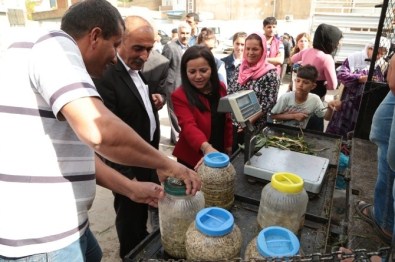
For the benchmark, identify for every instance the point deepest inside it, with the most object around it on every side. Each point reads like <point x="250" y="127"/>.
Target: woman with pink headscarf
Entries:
<point x="255" y="73"/>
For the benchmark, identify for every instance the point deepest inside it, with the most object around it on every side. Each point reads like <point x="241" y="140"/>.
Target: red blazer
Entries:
<point x="195" y="127"/>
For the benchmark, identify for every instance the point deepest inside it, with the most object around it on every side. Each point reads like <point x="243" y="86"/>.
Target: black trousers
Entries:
<point x="130" y="222"/>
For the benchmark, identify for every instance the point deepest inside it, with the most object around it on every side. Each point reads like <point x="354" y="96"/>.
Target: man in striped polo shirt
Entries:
<point x="52" y="123"/>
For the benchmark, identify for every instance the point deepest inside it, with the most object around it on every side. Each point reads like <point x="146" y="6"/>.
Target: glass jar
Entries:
<point x="283" y="203"/>
<point x="176" y="212"/>
<point x="218" y="180"/>
<point x="213" y="236"/>
<point x="272" y="242"/>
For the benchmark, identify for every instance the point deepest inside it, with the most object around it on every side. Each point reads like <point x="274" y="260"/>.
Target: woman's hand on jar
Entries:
<point x="205" y="148"/>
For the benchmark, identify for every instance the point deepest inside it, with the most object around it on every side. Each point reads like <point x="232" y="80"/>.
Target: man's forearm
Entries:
<point x="100" y="129"/>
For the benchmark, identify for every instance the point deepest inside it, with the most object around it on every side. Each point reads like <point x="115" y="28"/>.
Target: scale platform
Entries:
<point x="270" y="160"/>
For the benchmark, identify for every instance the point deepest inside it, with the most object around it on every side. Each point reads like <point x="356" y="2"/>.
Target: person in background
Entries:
<point x="287" y="51"/>
<point x="126" y="94"/>
<point x="174" y="34"/>
<point x="203" y="129"/>
<point x="193" y="20"/>
<point x="255" y="73"/>
<point x="274" y="47"/>
<point x="303" y="41"/>
<point x="380" y="215"/>
<point x="158" y="44"/>
<point x="174" y="51"/>
<point x="325" y="43"/>
<point x="233" y="60"/>
<point x="295" y="108"/>
<point x="155" y="71"/>
<point x="207" y="38"/>
<point x="291" y="41"/>
<point x="69" y="124"/>
<point x="353" y="74"/>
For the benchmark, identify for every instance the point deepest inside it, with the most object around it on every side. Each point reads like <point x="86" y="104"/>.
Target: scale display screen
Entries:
<point x="243" y="104"/>
<point x="243" y="101"/>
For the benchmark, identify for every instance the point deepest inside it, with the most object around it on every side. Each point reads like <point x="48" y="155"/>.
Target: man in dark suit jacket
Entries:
<point x="125" y="93"/>
<point x="155" y="71"/>
<point x="174" y="51"/>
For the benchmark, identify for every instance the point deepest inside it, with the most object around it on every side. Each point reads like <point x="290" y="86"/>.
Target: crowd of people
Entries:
<point x="96" y="120"/>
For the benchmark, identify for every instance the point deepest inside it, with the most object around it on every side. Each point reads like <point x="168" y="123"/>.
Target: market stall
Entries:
<point x="316" y="234"/>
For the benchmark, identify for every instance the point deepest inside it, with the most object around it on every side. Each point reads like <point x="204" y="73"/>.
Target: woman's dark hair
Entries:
<point x="256" y="37"/>
<point x="191" y="92"/>
<point x="205" y="34"/>
<point x="83" y="16"/>
<point x="327" y="38"/>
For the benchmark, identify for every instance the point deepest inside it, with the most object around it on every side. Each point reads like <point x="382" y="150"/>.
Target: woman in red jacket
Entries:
<point x="195" y="102"/>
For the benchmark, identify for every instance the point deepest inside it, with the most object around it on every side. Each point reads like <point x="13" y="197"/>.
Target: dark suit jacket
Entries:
<point x="121" y="96"/>
<point x="229" y="66"/>
<point x="173" y="51"/>
<point x="155" y="71"/>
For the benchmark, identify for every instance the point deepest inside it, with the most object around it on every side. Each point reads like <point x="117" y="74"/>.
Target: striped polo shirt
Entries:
<point x="47" y="176"/>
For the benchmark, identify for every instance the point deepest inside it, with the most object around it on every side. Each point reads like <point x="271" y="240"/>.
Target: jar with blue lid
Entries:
<point x="273" y="242"/>
<point x="283" y="203"/>
<point x="213" y="236"/>
<point x="218" y="180"/>
<point x="177" y="211"/>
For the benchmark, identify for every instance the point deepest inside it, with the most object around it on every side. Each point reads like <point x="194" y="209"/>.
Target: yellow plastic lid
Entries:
<point x="287" y="182"/>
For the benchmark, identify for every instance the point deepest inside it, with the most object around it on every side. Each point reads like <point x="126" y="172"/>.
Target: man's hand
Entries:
<point x="158" y="101"/>
<point x="146" y="193"/>
<point x="179" y="171"/>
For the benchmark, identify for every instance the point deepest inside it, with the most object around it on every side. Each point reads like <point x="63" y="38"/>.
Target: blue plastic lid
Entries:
<point x="216" y="159"/>
<point x="277" y="242"/>
<point x="214" y="221"/>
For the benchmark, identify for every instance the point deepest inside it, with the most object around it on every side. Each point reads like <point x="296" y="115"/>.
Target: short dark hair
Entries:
<point x="174" y="30"/>
<point x="191" y="92"/>
<point x="194" y="15"/>
<point x="83" y="16"/>
<point x="269" y="21"/>
<point x="308" y="72"/>
<point x="237" y="35"/>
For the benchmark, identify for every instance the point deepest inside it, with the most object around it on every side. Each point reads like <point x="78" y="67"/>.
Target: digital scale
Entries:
<point x="269" y="160"/>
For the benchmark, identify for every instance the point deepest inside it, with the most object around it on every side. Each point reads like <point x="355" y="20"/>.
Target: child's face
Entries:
<point x="304" y="86"/>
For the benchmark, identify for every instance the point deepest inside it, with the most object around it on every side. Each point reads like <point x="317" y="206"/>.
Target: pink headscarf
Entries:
<point x="247" y="71"/>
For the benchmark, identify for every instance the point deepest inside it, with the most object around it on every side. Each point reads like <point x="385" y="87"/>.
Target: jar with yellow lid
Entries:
<point x="283" y="203"/>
